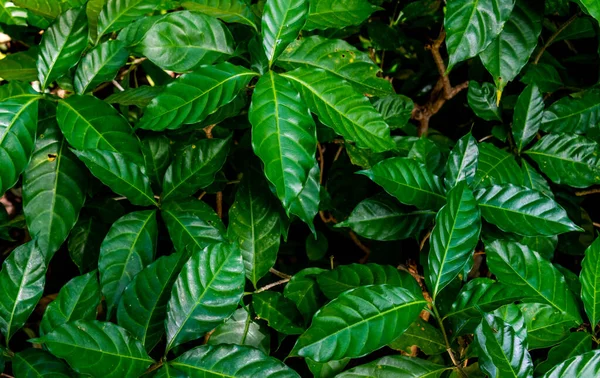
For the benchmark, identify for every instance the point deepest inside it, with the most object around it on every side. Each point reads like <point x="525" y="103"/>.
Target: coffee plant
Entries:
<point x="297" y="188"/>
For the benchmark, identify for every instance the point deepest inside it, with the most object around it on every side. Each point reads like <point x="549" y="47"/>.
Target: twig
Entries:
<point x="321" y="162"/>
<point x="271" y="285"/>
<point x="360" y="245"/>
<point x="553" y="37"/>
<point x="446" y="340"/>
<point x="280" y="274"/>
<point x="596" y="224"/>
<point x="587" y="192"/>
<point x="220" y="204"/>
<point x="116" y="84"/>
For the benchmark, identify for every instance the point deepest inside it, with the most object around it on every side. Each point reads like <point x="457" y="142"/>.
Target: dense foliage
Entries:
<point x="285" y="188"/>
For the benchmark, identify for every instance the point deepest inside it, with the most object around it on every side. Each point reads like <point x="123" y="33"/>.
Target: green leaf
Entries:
<point x="472" y="25"/>
<point x="463" y="161"/>
<point x="140" y="96"/>
<point x="62" y="45"/>
<point x="502" y="351"/>
<point x="454" y="237"/>
<point x="343" y="60"/>
<point x="240" y="329"/>
<point x="583" y="365"/>
<point x="534" y="180"/>
<point x="99" y="65"/>
<point x="157" y="153"/>
<point x="527" y="116"/>
<point x="254" y="224"/>
<point x="206" y="292"/>
<point x="325" y="14"/>
<point x="306" y="205"/>
<point x="410" y="182"/>
<point x="133" y="34"/>
<point x="192" y="223"/>
<point x="54" y="190"/>
<point x="359" y="330"/>
<point x="283" y="135"/>
<point x="396" y="110"/>
<point x="47" y="8"/>
<point x="18" y="124"/>
<point x="230" y="361"/>
<point x="21" y="284"/>
<point x="194" y="167"/>
<point x="396" y="366"/>
<point x="19" y="66"/>
<point x="523" y="211"/>
<point x="181" y="41"/>
<point x="97" y="348"/>
<point x="90" y="123"/>
<point x="577" y="343"/>
<point x="227" y="10"/>
<point x="482" y="294"/>
<point x="484" y="102"/>
<point x="143" y="306"/>
<point x="281" y="23"/>
<point x="194" y="96"/>
<point x="509" y="52"/>
<point x="573" y="115"/>
<point x="304" y="291"/>
<point x="512" y="316"/>
<point x="117" y="14"/>
<point x="590" y="282"/>
<point x="39" y="363"/>
<point x="280" y="312"/>
<point x="339" y="106"/>
<point x="516" y="265"/>
<point x="326" y="369"/>
<point x="93" y="9"/>
<point x="496" y="166"/>
<point x="545" y="76"/>
<point x="423" y="335"/>
<point x="568" y="159"/>
<point x="12" y="15"/>
<point x="118" y="173"/>
<point x="591" y="7"/>
<point x="128" y="247"/>
<point x="382" y="218"/>
<point x="546" y="326"/>
<point x="347" y="277"/>
<point x="84" y="242"/>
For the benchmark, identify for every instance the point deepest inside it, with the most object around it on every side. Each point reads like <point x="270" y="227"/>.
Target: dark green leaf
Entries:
<point x="325" y="14"/>
<point x="227" y="10"/>
<point x="84" y="242"/>
<point x="482" y="294"/>
<point x="156" y="150"/>
<point x="282" y="21"/>
<point x="577" y="343"/>
<point x="240" y="329"/>
<point x="527" y="116"/>
<point x="583" y="365"/>
<point x="326" y="369"/>
<point x="99" y="65"/>
<point x="496" y="166"/>
<point x="396" y="110"/>
<point x="140" y="96"/>
<point x="117" y="14"/>
<point x="38" y="363"/>
<point x="573" y="115"/>
<point x="304" y="291"/>
<point x="545" y="76"/>
<point x="534" y="180"/>
<point x="483" y="99"/>
<point x="396" y="366"/>
<point x="306" y="205"/>
<point x="93" y="9"/>
<point x="546" y="326"/>
<point x="280" y="312"/>
<point x="463" y="161"/>
<point x="423" y="335"/>
<point x="19" y="66"/>
<point x="590" y="282"/>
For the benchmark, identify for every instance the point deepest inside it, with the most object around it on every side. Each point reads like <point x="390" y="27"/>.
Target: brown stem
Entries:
<point x="587" y="192"/>
<point x="220" y="204"/>
<point x="279" y="274"/>
<point x="321" y="162"/>
<point x="553" y="37"/>
<point x="271" y="285"/>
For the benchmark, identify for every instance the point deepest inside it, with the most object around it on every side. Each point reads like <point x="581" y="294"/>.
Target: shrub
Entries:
<point x="290" y="188"/>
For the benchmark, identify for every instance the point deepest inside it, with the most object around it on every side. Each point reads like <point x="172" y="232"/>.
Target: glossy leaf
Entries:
<point x="422" y="335"/>
<point x="97" y="348"/>
<point x="590" y="282"/>
<point x="454" y="237"/>
<point x="410" y="182"/>
<point x="194" y="96"/>
<point x="283" y="135"/>
<point x="396" y="110"/>
<point x="463" y="161"/>
<point x="19" y="66"/>
<point x="240" y="329"/>
<point x="33" y="362"/>
<point x="21" y="284"/>
<point x="157" y="153"/>
<point x="140" y="96"/>
<point x="527" y="116"/>
<point x="46" y="8"/>
<point x="128" y="247"/>
<point x="62" y="45"/>
<point x="472" y="25"/>
<point x="18" y="123"/>
<point x="304" y="291"/>
<point x="206" y="292"/>
<point x="339" y="58"/>
<point x="359" y="330"/>
<point x="484" y="102"/>
<point x="496" y="166"/>
<point x="118" y="173"/>
<point x="306" y="205"/>
<point x="54" y="187"/>
<point x="592" y="8"/>
<point x="78" y="299"/>
<point x="84" y="242"/>
<point x="523" y="211"/>
<point x="101" y="64"/>
<point x="326" y="369"/>
<point x="325" y="14"/>
<point x="396" y="366"/>
<point x="282" y="21"/>
<point x="534" y="180"/>
<point x="577" y="343"/>
<point x="280" y="312"/>
<point x="583" y="365"/>
<point x="572" y="115"/>
<point x="482" y="294"/>
<point x="342" y="108"/>
<point x="568" y="159"/>
<point x="227" y="10"/>
<point x="117" y="14"/>
<point x="12" y="15"/>
<point x="181" y="41"/>
<point x="546" y="326"/>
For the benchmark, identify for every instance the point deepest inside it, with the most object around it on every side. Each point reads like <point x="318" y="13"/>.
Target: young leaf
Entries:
<point x="396" y="366"/>
<point x="282" y="20"/>
<point x="206" y="292"/>
<point x="325" y="14"/>
<point x="99" y="65"/>
<point x="454" y="237"/>
<point x="573" y="115"/>
<point x="62" y="45"/>
<point x="568" y="159"/>
<point x="502" y="351"/>
<point x="577" y="343"/>
<point x="34" y="362"/>
<point x="590" y="282"/>
<point x="230" y="361"/>
<point x="18" y="124"/>
<point x="342" y="108"/>
<point x="339" y="58"/>
<point x="472" y="25"/>
<point x="463" y="161"/>
<point x="181" y="41"/>
<point x="194" y="167"/>
<point x="143" y="306"/>
<point x="410" y="182"/>
<point x="128" y="247"/>
<point x="496" y="166"/>
<point x="54" y="189"/>
<point x="97" y="348"/>
<point x="281" y="313"/>
<point x="527" y="116"/>
<point x="283" y="135"/>
<point x="117" y="14"/>
<point x="523" y="211"/>
<point x="227" y="10"/>
<point x="194" y="96"/>
<point x="354" y="332"/>
<point x="254" y="224"/>
<point x="21" y="286"/>
<point x="78" y="299"/>
<point x="240" y="329"/>
<point x="118" y="173"/>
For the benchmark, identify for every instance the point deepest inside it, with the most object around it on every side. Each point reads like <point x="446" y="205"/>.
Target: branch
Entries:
<point x="553" y="37"/>
<point x="587" y="192"/>
<point x="279" y="274"/>
<point x="271" y="285"/>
